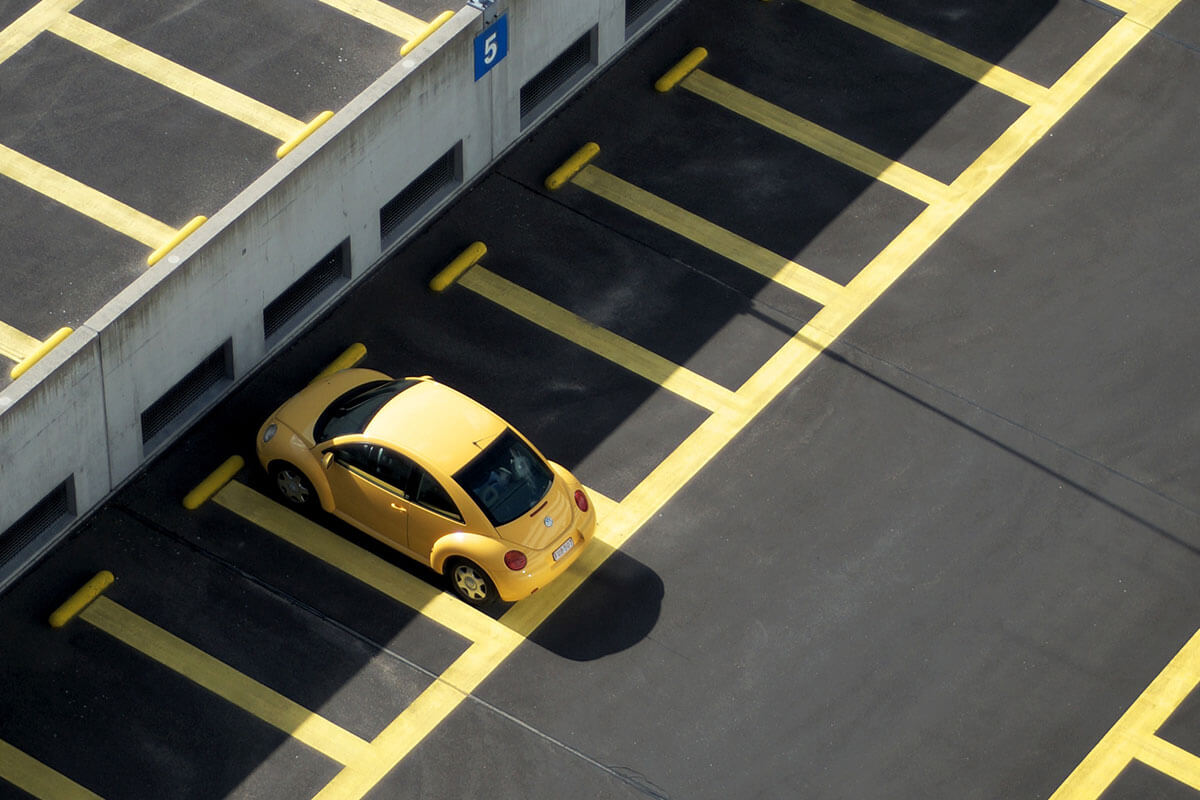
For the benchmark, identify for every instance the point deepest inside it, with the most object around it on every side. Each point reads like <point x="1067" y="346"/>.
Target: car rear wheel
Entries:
<point x="471" y="583"/>
<point x="292" y="486"/>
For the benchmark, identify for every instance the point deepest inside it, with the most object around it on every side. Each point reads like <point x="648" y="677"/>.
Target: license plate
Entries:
<point x="563" y="549"/>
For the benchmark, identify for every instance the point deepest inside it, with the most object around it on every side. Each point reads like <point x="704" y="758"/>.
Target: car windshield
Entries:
<point x="351" y="412"/>
<point x="507" y="479"/>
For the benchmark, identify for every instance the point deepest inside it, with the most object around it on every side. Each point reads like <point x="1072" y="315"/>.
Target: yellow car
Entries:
<point x="435" y="475"/>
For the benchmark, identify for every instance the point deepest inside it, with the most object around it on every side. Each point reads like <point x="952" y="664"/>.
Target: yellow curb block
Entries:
<point x="307" y="131"/>
<point x="213" y="483"/>
<point x="173" y="242"/>
<point x="80" y="600"/>
<point x="572" y="165"/>
<point x="40" y="352"/>
<point x="680" y="71"/>
<point x="349" y="357"/>
<point x="438" y="22"/>
<point x="454" y="270"/>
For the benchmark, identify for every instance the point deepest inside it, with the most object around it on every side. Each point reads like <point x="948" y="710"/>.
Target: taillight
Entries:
<point x="514" y="560"/>
<point x="581" y="500"/>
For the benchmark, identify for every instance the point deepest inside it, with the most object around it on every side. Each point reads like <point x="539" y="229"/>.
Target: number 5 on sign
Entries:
<point x="491" y="46"/>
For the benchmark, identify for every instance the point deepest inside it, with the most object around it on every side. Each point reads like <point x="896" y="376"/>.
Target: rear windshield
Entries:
<point x="351" y="412"/>
<point x="507" y="479"/>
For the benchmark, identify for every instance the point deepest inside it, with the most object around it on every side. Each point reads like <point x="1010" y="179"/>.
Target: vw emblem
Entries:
<point x="548" y="522"/>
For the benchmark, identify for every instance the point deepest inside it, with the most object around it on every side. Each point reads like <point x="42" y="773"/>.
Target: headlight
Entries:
<point x="269" y="433"/>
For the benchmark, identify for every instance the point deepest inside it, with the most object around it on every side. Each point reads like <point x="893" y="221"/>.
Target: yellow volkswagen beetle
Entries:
<point x="435" y="475"/>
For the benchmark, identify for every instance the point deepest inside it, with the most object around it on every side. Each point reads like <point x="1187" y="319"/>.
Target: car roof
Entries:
<point x="436" y="423"/>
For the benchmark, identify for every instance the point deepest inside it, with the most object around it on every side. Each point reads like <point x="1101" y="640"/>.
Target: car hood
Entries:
<point x="530" y="529"/>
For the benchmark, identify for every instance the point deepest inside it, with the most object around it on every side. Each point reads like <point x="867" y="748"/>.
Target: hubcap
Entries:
<point x="470" y="583"/>
<point x="292" y="486"/>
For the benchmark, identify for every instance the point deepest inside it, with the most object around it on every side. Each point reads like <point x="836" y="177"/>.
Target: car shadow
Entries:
<point x="614" y="609"/>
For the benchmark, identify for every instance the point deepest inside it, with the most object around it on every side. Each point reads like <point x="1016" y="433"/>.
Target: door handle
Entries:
<point x="399" y="508"/>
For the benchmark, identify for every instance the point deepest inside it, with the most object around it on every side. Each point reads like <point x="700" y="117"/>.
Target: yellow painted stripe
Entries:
<point x="1131" y="736"/>
<point x="1170" y="759"/>
<point x="648" y="498"/>
<point x="823" y="140"/>
<point x="25" y="28"/>
<point x="84" y="199"/>
<point x="782" y="270"/>
<point x="465" y="674"/>
<point x="358" y="563"/>
<point x="35" y="778"/>
<point x="935" y="50"/>
<point x="176" y="77"/>
<point x="602" y="342"/>
<point x="381" y="15"/>
<point x="224" y="681"/>
<point x="16" y="345"/>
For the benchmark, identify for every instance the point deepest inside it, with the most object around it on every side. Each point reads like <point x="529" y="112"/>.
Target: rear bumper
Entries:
<point x="541" y="568"/>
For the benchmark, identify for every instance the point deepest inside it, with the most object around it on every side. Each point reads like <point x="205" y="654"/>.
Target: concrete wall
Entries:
<point x="75" y="417"/>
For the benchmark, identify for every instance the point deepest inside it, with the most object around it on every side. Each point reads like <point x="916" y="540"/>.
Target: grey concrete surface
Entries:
<point x="941" y="564"/>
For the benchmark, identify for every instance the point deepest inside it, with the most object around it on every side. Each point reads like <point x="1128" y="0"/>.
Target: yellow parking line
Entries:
<point x="649" y="497"/>
<point x="84" y="199"/>
<point x="823" y="140"/>
<point x="602" y="342"/>
<point x="779" y="269"/>
<point x="382" y="16"/>
<point x="935" y="50"/>
<point x="35" y="778"/>
<point x="223" y="680"/>
<point x="358" y="563"/>
<point x="25" y="28"/>
<point x="1171" y="760"/>
<point x="16" y="345"/>
<point x="1133" y="734"/>
<point x="470" y="669"/>
<point x="176" y="77"/>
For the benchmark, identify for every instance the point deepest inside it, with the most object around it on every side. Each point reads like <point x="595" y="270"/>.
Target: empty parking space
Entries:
<point x="838" y="574"/>
<point x="130" y="128"/>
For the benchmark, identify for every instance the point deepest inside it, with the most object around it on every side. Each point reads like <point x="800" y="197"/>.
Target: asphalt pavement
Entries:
<point x="941" y="554"/>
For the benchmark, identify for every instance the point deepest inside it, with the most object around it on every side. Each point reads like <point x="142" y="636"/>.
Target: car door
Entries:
<point x="367" y="482"/>
<point x="432" y="514"/>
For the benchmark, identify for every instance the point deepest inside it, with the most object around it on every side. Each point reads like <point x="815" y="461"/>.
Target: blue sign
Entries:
<point x="491" y="46"/>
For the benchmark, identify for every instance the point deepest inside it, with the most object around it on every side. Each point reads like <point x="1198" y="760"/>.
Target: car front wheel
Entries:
<point x="293" y="486"/>
<point x="471" y="583"/>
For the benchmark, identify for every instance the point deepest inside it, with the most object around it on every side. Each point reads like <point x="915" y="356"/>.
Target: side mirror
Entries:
<point x="327" y="459"/>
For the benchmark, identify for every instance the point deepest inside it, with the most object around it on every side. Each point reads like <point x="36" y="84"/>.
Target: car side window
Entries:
<point x="431" y="495"/>
<point x="393" y="469"/>
<point x="356" y="455"/>
<point x="383" y="465"/>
